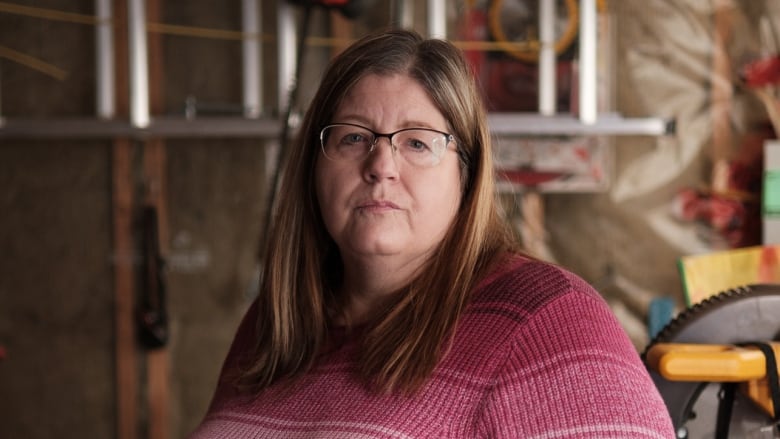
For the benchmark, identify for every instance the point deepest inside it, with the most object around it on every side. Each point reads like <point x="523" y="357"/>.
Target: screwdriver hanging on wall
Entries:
<point x="152" y="308"/>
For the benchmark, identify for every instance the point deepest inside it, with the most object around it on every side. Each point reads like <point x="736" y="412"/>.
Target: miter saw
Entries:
<point x="715" y="365"/>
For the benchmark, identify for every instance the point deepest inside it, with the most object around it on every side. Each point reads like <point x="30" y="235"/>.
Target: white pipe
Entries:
<point x="105" y="93"/>
<point x="512" y="124"/>
<point x="587" y="62"/>
<point x="437" y="18"/>
<point x="407" y="18"/>
<point x="403" y="16"/>
<point x="2" y="120"/>
<point x="251" y="58"/>
<point x="139" y="71"/>
<point x="547" y="71"/>
<point x="286" y="47"/>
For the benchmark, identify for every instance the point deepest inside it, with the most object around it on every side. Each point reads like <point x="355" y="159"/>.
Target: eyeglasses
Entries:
<point x="422" y="147"/>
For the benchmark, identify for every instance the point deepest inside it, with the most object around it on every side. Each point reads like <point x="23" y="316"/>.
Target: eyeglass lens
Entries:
<point x="418" y="146"/>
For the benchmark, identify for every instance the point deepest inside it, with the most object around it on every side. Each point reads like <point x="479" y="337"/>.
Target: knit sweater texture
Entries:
<point x="536" y="354"/>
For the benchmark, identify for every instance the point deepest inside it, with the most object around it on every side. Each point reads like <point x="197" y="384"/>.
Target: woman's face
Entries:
<point x="383" y="205"/>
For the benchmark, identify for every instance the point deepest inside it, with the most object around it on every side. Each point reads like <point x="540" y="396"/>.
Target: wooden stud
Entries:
<point x="157" y="360"/>
<point x="124" y="273"/>
<point x="126" y="353"/>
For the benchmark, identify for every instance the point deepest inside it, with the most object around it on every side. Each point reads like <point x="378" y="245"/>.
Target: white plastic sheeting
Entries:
<point x="678" y="59"/>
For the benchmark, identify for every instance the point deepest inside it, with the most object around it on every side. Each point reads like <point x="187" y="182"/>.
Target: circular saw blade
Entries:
<point x="750" y="313"/>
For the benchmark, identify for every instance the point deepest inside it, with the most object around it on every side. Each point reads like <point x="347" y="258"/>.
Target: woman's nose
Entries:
<point x="381" y="162"/>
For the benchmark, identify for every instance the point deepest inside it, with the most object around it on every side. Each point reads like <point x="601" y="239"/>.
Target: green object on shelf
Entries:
<point x="771" y="201"/>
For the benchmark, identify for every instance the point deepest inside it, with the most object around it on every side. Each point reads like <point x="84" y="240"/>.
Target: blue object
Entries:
<point x="659" y="314"/>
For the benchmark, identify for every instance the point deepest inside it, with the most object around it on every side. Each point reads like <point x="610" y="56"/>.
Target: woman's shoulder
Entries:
<point x="534" y="325"/>
<point x="521" y="300"/>
<point x="511" y="297"/>
<point x="537" y="310"/>
<point x="520" y="281"/>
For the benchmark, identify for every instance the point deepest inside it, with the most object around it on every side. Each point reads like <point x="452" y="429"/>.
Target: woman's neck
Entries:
<point x="367" y="284"/>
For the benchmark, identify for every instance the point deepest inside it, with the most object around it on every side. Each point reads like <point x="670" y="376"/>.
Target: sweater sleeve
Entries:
<point x="572" y="372"/>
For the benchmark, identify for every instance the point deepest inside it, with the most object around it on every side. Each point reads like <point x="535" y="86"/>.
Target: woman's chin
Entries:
<point x="372" y="249"/>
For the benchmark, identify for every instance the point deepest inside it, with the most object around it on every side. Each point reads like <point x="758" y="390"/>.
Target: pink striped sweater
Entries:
<point x="537" y="354"/>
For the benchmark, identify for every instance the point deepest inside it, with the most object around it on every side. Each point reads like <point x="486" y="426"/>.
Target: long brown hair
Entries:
<point x="302" y="267"/>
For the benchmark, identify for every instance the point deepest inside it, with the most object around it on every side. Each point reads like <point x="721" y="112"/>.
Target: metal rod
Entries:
<point x="407" y="14"/>
<point x="251" y="59"/>
<point x="286" y="47"/>
<point x="400" y="14"/>
<point x="138" y="59"/>
<point x="437" y="18"/>
<point x="547" y="71"/>
<point x="168" y="127"/>
<point x="105" y="93"/>
<point x="587" y="62"/>
<point x="501" y="124"/>
<point x="2" y="120"/>
<point x="292" y="100"/>
<point x="529" y="124"/>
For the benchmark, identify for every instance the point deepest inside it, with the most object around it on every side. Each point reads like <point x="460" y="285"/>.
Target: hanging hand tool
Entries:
<point x="152" y="311"/>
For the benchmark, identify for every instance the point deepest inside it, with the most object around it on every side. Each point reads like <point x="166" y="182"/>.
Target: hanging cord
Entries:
<point x="728" y="391"/>
<point x="281" y="157"/>
<point x="726" y="396"/>
<point x="773" y="380"/>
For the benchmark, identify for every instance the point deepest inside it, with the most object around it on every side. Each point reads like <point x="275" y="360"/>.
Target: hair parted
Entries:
<point x="302" y="267"/>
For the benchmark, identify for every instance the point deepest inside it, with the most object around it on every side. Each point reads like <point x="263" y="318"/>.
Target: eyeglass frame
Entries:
<point x="449" y="138"/>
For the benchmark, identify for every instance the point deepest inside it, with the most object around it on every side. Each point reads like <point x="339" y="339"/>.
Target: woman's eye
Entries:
<point x="354" y="138"/>
<point x="416" y="145"/>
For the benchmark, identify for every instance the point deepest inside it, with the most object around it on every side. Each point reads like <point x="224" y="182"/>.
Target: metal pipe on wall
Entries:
<point x="401" y="14"/>
<point x="2" y="120"/>
<point x="437" y="18"/>
<point x="286" y="47"/>
<point x="587" y="62"/>
<point x="251" y="48"/>
<point x="547" y="71"/>
<point x="105" y="93"/>
<point x="138" y="59"/>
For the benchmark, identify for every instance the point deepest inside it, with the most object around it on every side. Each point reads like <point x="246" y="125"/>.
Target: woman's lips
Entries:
<point x="377" y="206"/>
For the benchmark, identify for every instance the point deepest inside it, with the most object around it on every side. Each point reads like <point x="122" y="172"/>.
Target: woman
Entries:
<point x="394" y="302"/>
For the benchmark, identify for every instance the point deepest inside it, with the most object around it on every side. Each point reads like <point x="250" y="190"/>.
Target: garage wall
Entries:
<point x="57" y="261"/>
